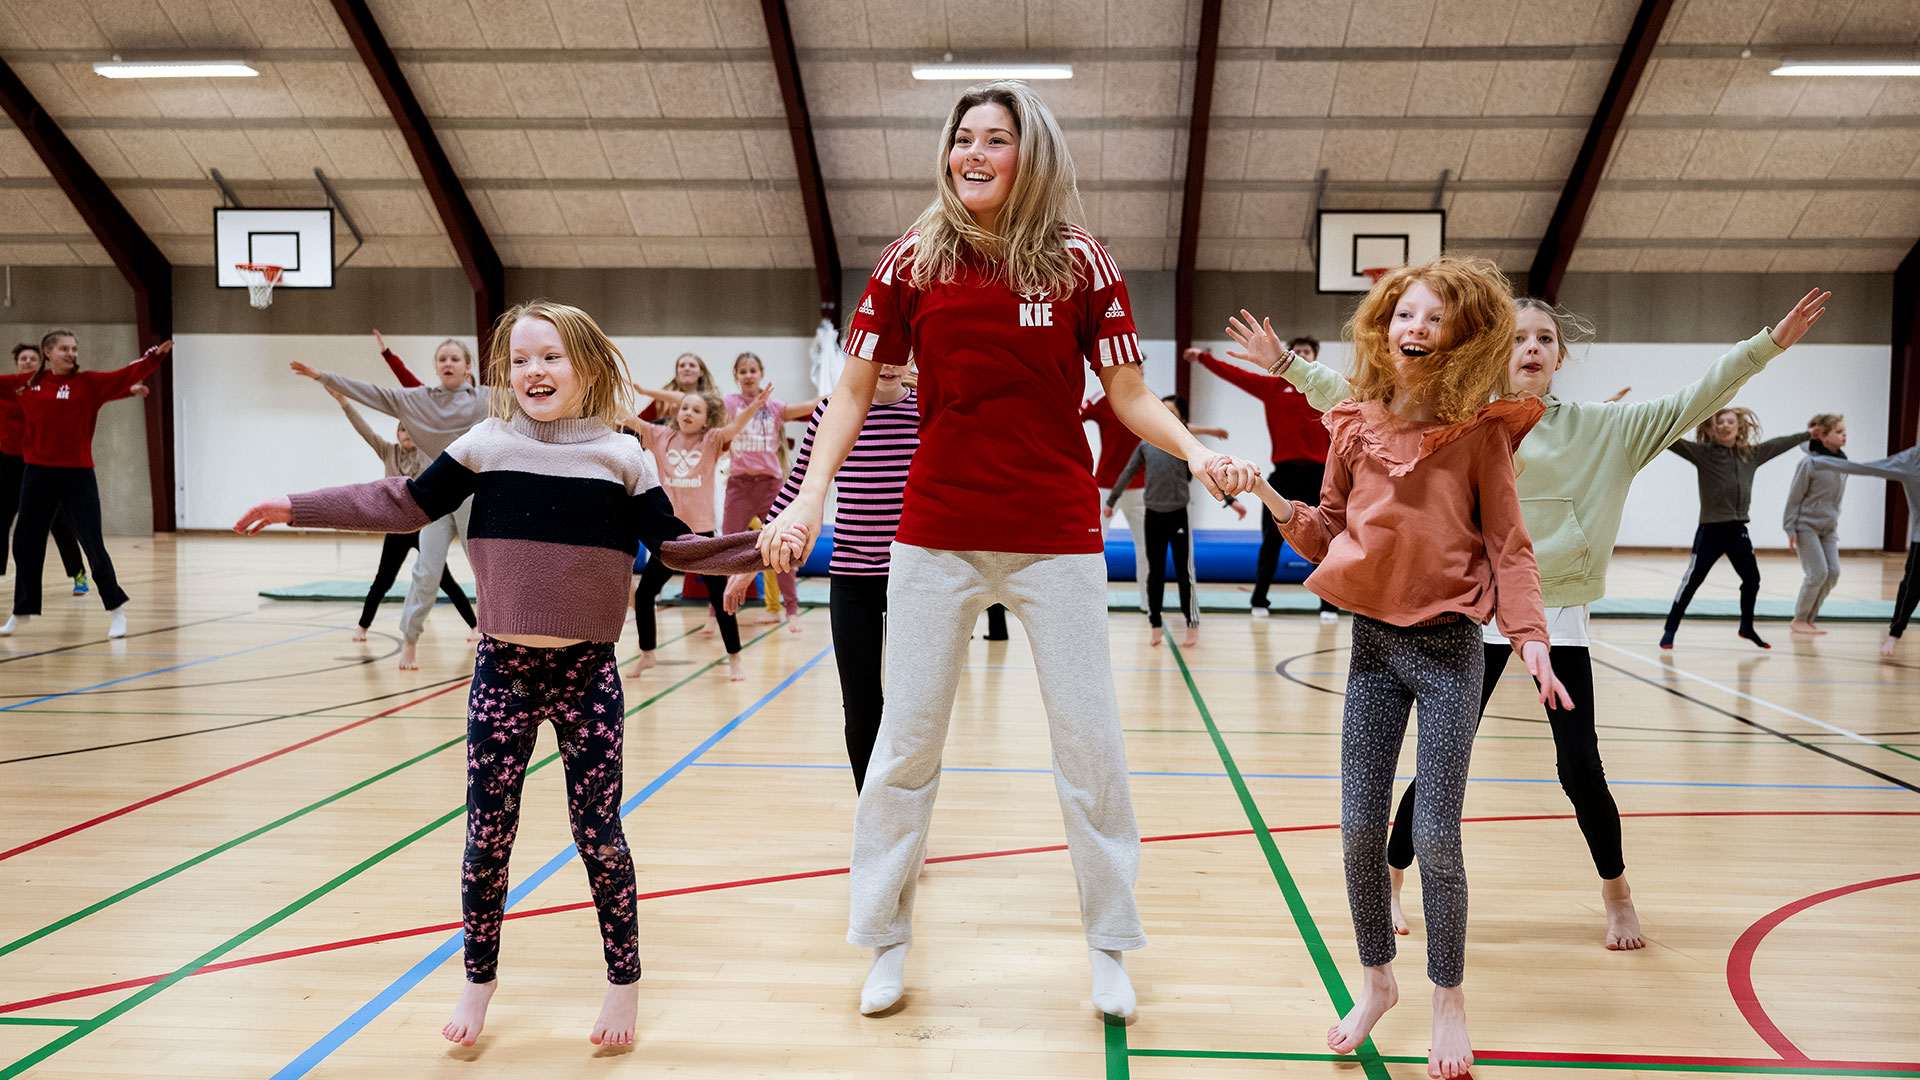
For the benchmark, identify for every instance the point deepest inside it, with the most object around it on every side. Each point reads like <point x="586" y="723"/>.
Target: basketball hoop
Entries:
<point x="260" y="279"/>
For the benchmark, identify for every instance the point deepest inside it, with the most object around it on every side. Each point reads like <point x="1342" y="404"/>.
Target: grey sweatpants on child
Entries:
<point x="1393" y="667"/>
<point x="933" y="599"/>
<point x="424" y="590"/>
<point x="1820" y="560"/>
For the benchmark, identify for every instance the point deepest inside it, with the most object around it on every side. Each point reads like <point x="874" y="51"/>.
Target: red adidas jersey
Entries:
<point x="61" y="409"/>
<point x="1003" y="463"/>
<point x="1117" y="441"/>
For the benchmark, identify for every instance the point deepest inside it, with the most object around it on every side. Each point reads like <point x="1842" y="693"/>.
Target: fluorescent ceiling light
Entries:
<point x="992" y="71"/>
<point x="1857" y="67"/>
<point x="174" y="69"/>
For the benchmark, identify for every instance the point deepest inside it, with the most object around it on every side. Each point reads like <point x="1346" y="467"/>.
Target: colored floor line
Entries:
<point x="1336" y="987"/>
<point x="150" y="800"/>
<point x="119" y="1009"/>
<point x="1740" y="961"/>
<point x="381" y="1002"/>
<point x="1744" y="696"/>
<point x="39" y="1021"/>
<point x="1678" y="1063"/>
<point x="803" y="875"/>
<point x="164" y="670"/>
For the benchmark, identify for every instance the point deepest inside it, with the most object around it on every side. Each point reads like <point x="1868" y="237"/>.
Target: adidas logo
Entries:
<point x="1116" y="311"/>
<point x="866" y="305"/>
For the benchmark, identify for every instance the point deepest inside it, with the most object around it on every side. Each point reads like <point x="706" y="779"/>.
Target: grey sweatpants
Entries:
<point x="1820" y="560"/>
<point x="933" y="599"/>
<point x="1133" y="507"/>
<point x="1393" y="667"/>
<point x="424" y="589"/>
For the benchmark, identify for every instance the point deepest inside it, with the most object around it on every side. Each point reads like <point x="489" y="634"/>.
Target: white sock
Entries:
<point x="1112" y="990"/>
<point x="117" y="628"/>
<point x="16" y="622"/>
<point x="886" y="981"/>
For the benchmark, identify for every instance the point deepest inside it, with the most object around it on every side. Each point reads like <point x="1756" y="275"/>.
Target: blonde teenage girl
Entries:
<point x="1001" y="300"/>
<point x="1419" y="534"/>
<point x="561" y="503"/>
<point x="690" y="376"/>
<point x="1812" y="518"/>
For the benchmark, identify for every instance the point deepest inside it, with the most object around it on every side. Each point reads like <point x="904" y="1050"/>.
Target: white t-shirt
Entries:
<point x="1565" y="626"/>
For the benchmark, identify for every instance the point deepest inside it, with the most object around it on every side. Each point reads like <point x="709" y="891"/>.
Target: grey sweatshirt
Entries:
<point x="1903" y="467"/>
<point x="434" y="415"/>
<point x="1813" y="499"/>
<point x="399" y="461"/>
<point x="1726" y="477"/>
<point x="1168" y="480"/>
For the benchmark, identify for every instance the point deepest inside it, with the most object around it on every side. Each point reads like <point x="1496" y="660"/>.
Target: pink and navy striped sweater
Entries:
<point x="560" y="509"/>
<point x="867" y="512"/>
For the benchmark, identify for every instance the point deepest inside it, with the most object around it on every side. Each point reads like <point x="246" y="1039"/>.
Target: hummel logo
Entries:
<point x="1116" y="311"/>
<point x="866" y="305"/>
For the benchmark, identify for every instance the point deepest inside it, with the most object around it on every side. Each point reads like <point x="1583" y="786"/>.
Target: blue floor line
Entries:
<point x="386" y="999"/>
<point x="164" y="670"/>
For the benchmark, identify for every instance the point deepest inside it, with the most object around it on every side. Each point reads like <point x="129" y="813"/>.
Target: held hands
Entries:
<point x="275" y="511"/>
<point x="788" y="539"/>
<point x="1224" y="475"/>
<point x="299" y="368"/>
<point x="1801" y="319"/>
<point x="1262" y="344"/>
<point x="1552" y="693"/>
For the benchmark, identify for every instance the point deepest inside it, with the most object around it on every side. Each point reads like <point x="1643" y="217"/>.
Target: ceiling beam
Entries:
<point x="806" y="157"/>
<point x="469" y="238"/>
<point x="134" y="254"/>
<point x="1570" y="215"/>
<point x="1198" y="127"/>
<point x="1903" y="389"/>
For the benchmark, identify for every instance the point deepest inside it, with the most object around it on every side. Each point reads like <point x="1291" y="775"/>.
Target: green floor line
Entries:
<point x="1116" y="1042"/>
<point x="87" y="1027"/>
<point x="40" y="1021"/>
<point x="1785" y="1068"/>
<point x="1336" y="987"/>
<point x="1758" y="740"/>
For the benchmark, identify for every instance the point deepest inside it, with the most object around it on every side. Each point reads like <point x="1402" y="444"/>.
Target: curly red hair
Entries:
<point x="1471" y="366"/>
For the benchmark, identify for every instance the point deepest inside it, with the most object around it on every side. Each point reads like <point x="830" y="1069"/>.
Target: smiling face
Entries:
<point x="451" y="365"/>
<point x="984" y="162"/>
<point x="1418" y="328"/>
<point x="1536" y="352"/>
<point x="1726" y="427"/>
<point x="26" y="361"/>
<point x="686" y="371"/>
<point x="543" y="380"/>
<point x="691" y="418"/>
<point x="63" y="356"/>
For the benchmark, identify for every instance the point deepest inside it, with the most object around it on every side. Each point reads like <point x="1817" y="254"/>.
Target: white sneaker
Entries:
<point x="14" y="622"/>
<point x="1329" y="616"/>
<point x="117" y="628"/>
<point x="1261" y="613"/>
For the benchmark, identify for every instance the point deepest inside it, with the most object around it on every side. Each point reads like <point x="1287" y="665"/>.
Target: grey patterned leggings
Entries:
<point x="1392" y="667"/>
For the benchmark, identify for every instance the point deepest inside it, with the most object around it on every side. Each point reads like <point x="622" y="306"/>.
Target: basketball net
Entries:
<point x="260" y="279"/>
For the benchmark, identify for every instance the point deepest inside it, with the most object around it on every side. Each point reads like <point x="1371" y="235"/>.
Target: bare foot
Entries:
<point x="1193" y="635"/>
<point x="1159" y="635"/>
<point x="642" y="665"/>
<point x="1800" y="627"/>
<point x="711" y="623"/>
<point x="1886" y="647"/>
<point x="767" y="618"/>
<point x="1378" y="993"/>
<point x="1452" y="1052"/>
<point x="471" y="1014"/>
<point x="793" y="624"/>
<point x="1398" y="877"/>
<point x="409" y="656"/>
<point x="734" y="673"/>
<point x="617" y="1016"/>
<point x="1623" y="923"/>
<point x="359" y="633"/>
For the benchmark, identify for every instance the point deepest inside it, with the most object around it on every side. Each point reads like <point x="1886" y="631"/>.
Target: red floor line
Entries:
<point x="1690" y="1059"/>
<point x="1740" y="962"/>
<point x="183" y="788"/>
<point x="441" y="928"/>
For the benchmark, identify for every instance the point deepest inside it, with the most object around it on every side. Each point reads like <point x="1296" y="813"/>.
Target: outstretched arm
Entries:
<point x="664" y="397"/>
<point x="1323" y="386"/>
<point x="799" y="410"/>
<point x="394" y="363"/>
<point x="739" y="422"/>
<point x="1145" y="416"/>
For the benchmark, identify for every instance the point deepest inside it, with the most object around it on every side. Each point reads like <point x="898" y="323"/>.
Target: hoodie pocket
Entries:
<point x="1559" y="543"/>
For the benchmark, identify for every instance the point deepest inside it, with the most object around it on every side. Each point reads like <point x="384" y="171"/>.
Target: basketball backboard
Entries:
<point x="300" y="241"/>
<point x="1355" y="241"/>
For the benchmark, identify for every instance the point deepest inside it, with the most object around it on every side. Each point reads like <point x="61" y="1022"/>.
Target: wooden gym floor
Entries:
<point x="229" y="847"/>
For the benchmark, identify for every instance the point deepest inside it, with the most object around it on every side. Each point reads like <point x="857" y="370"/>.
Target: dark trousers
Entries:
<point x="857" y="606"/>
<point x="12" y="470"/>
<point x="654" y="578"/>
<point x="1167" y="529"/>
<point x="394" y="552"/>
<point x="1908" y="596"/>
<point x="997" y="623"/>
<point x="1296" y="479"/>
<point x="1576" y="748"/>
<point x="1710" y="541"/>
<point x="43" y="491"/>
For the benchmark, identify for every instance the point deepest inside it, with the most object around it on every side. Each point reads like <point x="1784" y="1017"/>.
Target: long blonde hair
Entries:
<point x="1472" y="368"/>
<point x="1742" y="443"/>
<point x="596" y="362"/>
<point x="1045" y="198"/>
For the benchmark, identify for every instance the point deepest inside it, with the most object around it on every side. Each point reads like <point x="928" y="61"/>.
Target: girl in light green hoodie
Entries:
<point x="1575" y="469"/>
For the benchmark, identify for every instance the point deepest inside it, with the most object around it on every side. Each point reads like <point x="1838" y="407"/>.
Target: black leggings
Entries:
<point x="1167" y="529"/>
<point x="1296" y="479"/>
<point x="1576" y="748"/>
<point x="12" y="469"/>
<point x="653" y="578"/>
<point x="394" y="552"/>
<point x="1909" y="594"/>
<point x="857" y="606"/>
<point x="43" y="491"/>
<point x="1710" y="541"/>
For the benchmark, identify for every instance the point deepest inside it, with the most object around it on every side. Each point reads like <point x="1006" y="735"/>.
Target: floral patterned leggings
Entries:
<point x="514" y="689"/>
